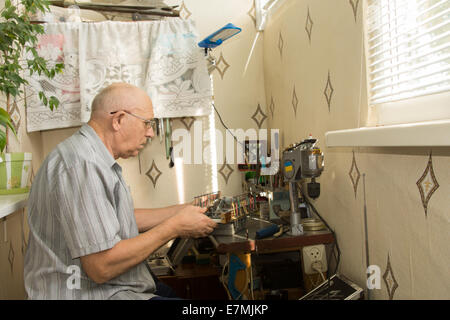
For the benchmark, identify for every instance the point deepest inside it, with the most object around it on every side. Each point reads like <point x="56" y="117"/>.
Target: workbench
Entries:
<point x="245" y="245"/>
<point x="191" y="281"/>
<point x="241" y="242"/>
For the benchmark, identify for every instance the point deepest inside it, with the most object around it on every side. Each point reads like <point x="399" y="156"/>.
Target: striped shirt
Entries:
<point x="79" y="204"/>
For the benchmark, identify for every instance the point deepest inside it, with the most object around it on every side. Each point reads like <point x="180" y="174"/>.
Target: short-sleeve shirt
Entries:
<point x="79" y="204"/>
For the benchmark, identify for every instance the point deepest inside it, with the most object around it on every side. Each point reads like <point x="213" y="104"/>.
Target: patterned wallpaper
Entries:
<point x="315" y="83"/>
<point x="302" y="75"/>
<point x="250" y="111"/>
<point x="239" y="98"/>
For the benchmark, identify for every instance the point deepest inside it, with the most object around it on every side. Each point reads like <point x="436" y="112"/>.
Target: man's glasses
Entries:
<point x="149" y="123"/>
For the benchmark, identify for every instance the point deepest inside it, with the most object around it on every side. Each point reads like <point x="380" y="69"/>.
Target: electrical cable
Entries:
<point x="221" y="121"/>
<point x="245" y="286"/>
<point x="338" y="258"/>
<point x="251" y="283"/>
<point x="225" y="126"/>
<point x="222" y="280"/>
<point x="319" y="270"/>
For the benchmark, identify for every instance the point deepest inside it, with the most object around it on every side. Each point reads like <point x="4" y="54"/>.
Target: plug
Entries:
<point x="314" y="256"/>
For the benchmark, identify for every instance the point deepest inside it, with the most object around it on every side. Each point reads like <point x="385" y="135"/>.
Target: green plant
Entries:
<point x="18" y="38"/>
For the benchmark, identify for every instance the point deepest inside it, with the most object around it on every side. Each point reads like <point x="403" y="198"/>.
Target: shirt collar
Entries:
<point x="98" y="145"/>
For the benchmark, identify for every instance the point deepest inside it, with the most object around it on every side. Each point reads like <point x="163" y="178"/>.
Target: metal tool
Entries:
<point x="167" y="136"/>
<point x="168" y="140"/>
<point x="301" y="161"/>
<point x="161" y="129"/>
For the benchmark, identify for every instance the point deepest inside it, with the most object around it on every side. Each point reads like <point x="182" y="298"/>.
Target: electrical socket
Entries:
<point x="314" y="256"/>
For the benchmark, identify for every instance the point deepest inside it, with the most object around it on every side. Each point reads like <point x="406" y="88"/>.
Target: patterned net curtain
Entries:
<point x="161" y="57"/>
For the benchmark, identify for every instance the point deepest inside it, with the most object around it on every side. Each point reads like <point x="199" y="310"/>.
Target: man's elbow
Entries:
<point x="99" y="277"/>
<point x="96" y="271"/>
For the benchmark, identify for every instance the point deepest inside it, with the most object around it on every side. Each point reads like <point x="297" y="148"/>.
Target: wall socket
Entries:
<point x="314" y="255"/>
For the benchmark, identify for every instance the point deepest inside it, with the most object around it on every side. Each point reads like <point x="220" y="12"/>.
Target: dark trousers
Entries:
<point x="164" y="292"/>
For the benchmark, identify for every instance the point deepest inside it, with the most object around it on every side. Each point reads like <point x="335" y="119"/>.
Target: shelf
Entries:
<point x="12" y="203"/>
<point x="431" y="133"/>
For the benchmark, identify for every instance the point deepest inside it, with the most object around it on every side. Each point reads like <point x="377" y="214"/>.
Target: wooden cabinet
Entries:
<point x="196" y="282"/>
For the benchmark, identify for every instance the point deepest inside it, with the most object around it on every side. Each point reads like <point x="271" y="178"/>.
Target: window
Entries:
<point x="408" y="60"/>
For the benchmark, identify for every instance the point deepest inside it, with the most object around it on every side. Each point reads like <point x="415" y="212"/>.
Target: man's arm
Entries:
<point x="149" y="218"/>
<point x="105" y="265"/>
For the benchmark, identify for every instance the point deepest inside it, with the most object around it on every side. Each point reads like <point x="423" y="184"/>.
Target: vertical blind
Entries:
<point x="408" y="48"/>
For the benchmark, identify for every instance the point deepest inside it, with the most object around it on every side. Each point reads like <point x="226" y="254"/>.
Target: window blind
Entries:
<point x="408" y="48"/>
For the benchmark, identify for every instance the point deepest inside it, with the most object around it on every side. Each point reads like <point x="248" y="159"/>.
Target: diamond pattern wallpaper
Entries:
<point x="354" y="4"/>
<point x="389" y="279"/>
<point x="222" y="66"/>
<point x="315" y="84"/>
<point x="294" y="102"/>
<point x="272" y="106"/>
<point x="153" y="173"/>
<point x="302" y="75"/>
<point x="354" y="174"/>
<point x="281" y="44"/>
<point x="259" y="116"/>
<point x="225" y="171"/>
<point x="328" y="92"/>
<point x="184" y="11"/>
<point x="309" y="26"/>
<point x="427" y="184"/>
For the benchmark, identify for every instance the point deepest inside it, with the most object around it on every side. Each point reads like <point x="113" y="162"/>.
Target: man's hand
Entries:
<point x="191" y="222"/>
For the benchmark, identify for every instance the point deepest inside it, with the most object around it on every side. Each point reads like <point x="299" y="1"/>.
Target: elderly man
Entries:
<point x="81" y="215"/>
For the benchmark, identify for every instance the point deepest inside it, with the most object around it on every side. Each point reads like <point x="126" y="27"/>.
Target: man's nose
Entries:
<point x="150" y="133"/>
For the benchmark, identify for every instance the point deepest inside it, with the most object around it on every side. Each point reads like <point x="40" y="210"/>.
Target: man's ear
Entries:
<point x="117" y="121"/>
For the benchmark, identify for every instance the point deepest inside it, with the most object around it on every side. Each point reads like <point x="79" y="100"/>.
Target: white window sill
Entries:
<point x="431" y="133"/>
<point x="12" y="203"/>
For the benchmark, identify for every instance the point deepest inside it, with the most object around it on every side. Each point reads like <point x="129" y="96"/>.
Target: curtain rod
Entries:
<point x="139" y="10"/>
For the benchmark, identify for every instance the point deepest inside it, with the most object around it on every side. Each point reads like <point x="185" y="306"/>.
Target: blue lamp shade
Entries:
<point x="219" y="36"/>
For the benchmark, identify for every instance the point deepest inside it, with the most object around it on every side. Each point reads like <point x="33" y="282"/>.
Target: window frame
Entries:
<point x="394" y="129"/>
<point x="405" y="111"/>
<point x="262" y="15"/>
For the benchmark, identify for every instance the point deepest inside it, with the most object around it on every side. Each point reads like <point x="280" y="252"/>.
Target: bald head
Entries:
<point x="119" y="96"/>
<point x="125" y="131"/>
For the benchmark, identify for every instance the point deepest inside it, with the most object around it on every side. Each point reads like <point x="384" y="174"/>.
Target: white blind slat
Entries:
<point x="410" y="79"/>
<point x="408" y="48"/>
<point x="411" y="69"/>
<point x="404" y="14"/>
<point x="414" y="37"/>
<point x="404" y="34"/>
<point x="411" y="95"/>
<point x="400" y="61"/>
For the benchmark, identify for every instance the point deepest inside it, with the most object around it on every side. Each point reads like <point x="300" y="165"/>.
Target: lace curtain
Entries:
<point x="161" y="57"/>
<point x="59" y="44"/>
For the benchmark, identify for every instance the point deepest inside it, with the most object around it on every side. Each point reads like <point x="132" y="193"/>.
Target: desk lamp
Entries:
<point x="216" y="39"/>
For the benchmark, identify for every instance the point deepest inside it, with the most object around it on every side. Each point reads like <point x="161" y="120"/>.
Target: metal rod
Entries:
<point x="149" y="10"/>
<point x="296" y="227"/>
<point x="366" y="230"/>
